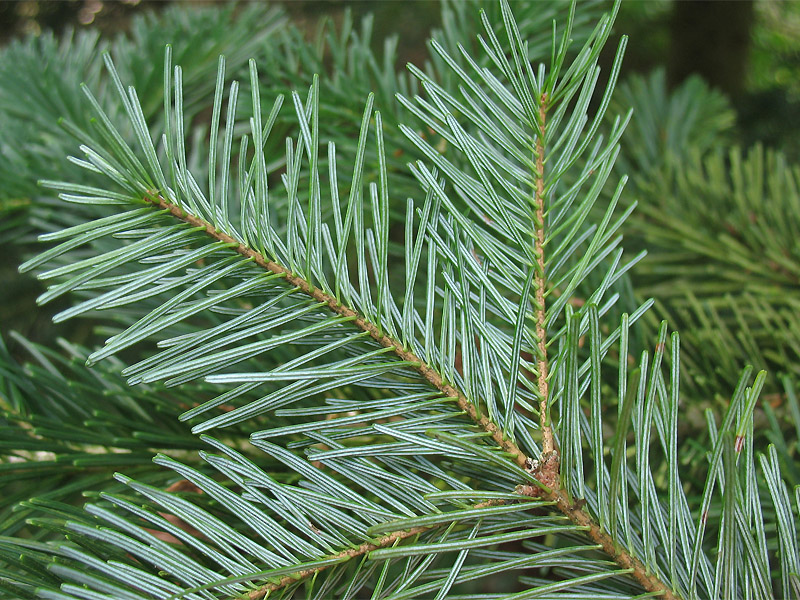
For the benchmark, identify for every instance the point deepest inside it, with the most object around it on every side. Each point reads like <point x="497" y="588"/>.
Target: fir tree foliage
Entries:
<point x="40" y="77"/>
<point x="352" y="420"/>
<point x="720" y="225"/>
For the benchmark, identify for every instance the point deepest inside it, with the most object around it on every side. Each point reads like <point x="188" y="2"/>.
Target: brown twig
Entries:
<point x="548" y="440"/>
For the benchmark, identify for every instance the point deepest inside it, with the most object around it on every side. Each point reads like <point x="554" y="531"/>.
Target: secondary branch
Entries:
<point x="549" y="451"/>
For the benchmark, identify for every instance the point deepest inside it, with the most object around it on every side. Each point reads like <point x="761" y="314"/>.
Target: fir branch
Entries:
<point x="546" y="470"/>
<point x="317" y="523"/>
<point x="574" y="510"/>
<point x="383" y="542"/>
<point x="358" y="320"/>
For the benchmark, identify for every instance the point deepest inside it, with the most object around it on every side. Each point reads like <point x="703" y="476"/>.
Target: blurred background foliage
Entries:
<point x="712" y="151"/>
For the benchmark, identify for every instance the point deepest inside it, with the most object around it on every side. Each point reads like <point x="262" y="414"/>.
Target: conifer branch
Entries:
<point x="359" y="321"/>
<point x="547" y="471"/>
<point x="574" y="511"/>
<point x="255" y="535"/>
<point x="383" y="542"/>
<point x="365" y="548"/>
<point x="547" y="468"/>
